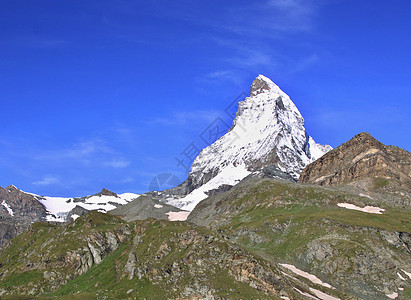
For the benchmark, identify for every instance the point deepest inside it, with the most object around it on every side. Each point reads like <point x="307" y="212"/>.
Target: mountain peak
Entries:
<point x="361" y="157"/>
<point x="363" y="136"/>
<point x="106" y="192"/>
<point x="364" y="139"/>
<point x="11" y="188"/>
<point x="268" y="131"/>
<point x="262" y="84"/>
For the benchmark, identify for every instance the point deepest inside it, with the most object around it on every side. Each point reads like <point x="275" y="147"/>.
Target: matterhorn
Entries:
<point x="268" y="131"/>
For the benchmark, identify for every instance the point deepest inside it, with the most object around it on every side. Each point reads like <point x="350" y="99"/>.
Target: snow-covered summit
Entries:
<point x="268" y="131"/>
<point x="262" y="84"/>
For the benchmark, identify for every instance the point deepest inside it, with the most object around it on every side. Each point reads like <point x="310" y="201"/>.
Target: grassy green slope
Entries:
<point x="152" y="260"/>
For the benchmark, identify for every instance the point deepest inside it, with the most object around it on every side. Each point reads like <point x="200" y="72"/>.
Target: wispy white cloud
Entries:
<point x="247" y="57"/>
<point x="117" y="163"/>
<point x="47" y="180"/>
<point x="81" y="152"/>
<point x="262" y="18"/>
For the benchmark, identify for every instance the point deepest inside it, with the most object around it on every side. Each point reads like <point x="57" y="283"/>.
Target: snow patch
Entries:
<point x="230" y="175"/>
<point x="401" y="277"/>
<point x="394" y="295"/>
<point x="317" y="150"/>
<point x="74" y="216"/>
<point x="8" y="208"/>
<point x="305" y="294"/>
<point x="177" y="216"/>
<point x="158" y="206"/>
<point x="312" y="278"/>
<point x="128" y="196"/>
<point x="406" y="273"/>
<point x="322" y="295"/>
<point x="367" y="209"/>
<point x="364" y="195"/>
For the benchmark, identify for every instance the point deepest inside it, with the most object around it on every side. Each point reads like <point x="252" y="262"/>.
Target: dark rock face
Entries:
<point x="23" y="205"/>
<point x="76" y="211"/>
<point x="17" y="211"/>
<point x="361" y="157"/>
<point x="275" y="172"/>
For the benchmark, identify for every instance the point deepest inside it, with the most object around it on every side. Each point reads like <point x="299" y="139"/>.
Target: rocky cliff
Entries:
<point x="17" y="211"/>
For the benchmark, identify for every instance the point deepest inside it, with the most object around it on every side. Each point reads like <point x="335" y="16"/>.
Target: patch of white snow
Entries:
<point x="8" y="208"/>
<point x="230" y="175"/>
<point x="322" y="295"/>
<point x="74" y="216"/>
<point x="305" y="294"/>
<point x="406" y="273"/>
<point x="394" y="295"/>
<point x="158" y="206"/>
<point x="312" y="278"/>
<point x="178" y="216"/>
<point x="366" y="209"/>
<point x="364" y="195"/>
<point x="317" y="150"/>
<point x="401" y="277"/>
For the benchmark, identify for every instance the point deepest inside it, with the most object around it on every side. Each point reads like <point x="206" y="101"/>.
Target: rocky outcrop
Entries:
<point x="61" y="253"/>
<point x="21" y="204"/>
<point x="142" y="208"/>
<point x="76" y="212"/>
<point x="361" y="157"/>
<point x="106" y="192"/>
<point x="17" y="211"/>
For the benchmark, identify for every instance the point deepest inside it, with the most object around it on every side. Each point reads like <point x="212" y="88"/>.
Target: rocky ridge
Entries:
<point x="359" y="158"/>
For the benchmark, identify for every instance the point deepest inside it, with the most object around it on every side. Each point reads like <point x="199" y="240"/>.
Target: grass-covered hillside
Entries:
<point x="358" y="253"/>
<point x="100" y="256"/>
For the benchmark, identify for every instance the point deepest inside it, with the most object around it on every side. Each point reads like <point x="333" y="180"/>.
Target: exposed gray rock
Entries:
<point x="142" y="208"/>
<point x="130" y="267"/>
<point x="22" y="210"/>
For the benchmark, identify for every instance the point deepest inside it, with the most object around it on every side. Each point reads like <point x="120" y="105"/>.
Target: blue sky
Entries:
<point x="107" y="94"/>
